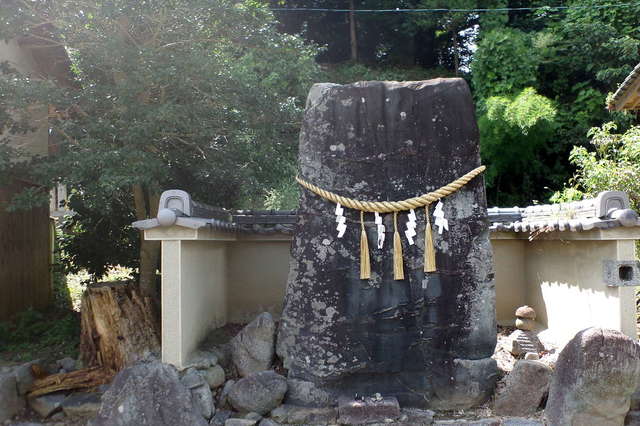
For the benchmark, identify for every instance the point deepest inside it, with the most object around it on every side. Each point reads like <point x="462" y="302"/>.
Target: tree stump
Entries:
<point x="119" y="326"/>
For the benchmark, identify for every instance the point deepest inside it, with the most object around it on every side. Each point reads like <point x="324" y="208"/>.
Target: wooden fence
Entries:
<point x="25" y="256"/>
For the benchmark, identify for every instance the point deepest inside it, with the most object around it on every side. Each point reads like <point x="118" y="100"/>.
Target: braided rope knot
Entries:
<point x="393" y="206"/>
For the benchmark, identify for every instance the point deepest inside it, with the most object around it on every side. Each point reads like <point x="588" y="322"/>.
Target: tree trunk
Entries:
<point x="119" y="326"/>
<point x="352" y="31"/>
<point x="146" y="206"/>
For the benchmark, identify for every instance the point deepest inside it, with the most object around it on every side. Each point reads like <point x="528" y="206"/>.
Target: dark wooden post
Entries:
<point x="353" y="36"/>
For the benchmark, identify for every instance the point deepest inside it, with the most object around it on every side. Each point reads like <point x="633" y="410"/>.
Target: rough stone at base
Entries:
<point x="214" y="376"/>
<point x="416" y="416"/>
<point x="82" y="405"/>
<point x="203" y="400"/>
<point x="306" y="393"/>
<point x="192" y="378"/>
<point x="201" y="360"/>
<point x="240" y="422"/>
<point x="595" y="376"/>
<point x="523" y="389"/>
<point x="148" y="394"/>
<point x="259" y="392"/>
<point x="253" y="348"/>
<point x="10" y="402"/>
<point x="521" y="421"/>
<point x="24" y="376"/>
<point x="67" y="364"/>
<point x="220" y="417"/>
<point x="472" y="383"/>
<point x="268" y="422"/>
<point x="223" y="395"/>
<point x="292" y="414"/>
<point x="45" y="405"/>
<point x="368" y="410"/>
<point x="480" y="422"/>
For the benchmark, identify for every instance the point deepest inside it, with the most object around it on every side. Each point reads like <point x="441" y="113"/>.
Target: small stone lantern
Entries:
<point x="524" y="340"/>
<point x="525" y="318"/>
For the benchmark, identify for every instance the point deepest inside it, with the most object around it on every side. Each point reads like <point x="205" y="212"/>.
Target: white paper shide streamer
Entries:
<point x="381" y="230"/>
<point x="440" y="221"/>
<point x="411" y="227"/>
<point x="341" y="220"/>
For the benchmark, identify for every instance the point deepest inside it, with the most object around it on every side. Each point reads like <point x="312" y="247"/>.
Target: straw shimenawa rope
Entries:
<point x="393" y="206"/>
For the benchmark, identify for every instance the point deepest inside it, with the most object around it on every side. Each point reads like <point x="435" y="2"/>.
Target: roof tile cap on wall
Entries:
<point x="608" y="209"/>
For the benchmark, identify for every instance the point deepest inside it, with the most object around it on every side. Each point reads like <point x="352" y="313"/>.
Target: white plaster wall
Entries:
<point x="565" y="286"/>
<point x="203" y="301"/>
<point x="511" y="289"/>
<point x="210" y="279"/>
<point x="257" y="278"/>
<point x="171" y="322"/>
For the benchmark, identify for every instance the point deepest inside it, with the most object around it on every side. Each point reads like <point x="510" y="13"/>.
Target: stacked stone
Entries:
<point x="524" y="340"/>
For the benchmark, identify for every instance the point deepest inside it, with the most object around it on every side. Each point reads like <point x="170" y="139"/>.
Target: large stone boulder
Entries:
<point x="595" y="376"/>
<point x="10" y="402"/>
<point x="381" y="141"/>
<point x="46" y="405"/>
<point x="253" y="349"/>
<point x="24" y="376"/>
<point x="523" y="389"/>
<point x="258" y="393"/>
<point x="148" y="394"/>
<point x="82" y="404"/>
<point x="201" y="394"/>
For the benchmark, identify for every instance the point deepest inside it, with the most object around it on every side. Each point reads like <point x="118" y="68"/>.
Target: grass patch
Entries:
<point x="54" y="333"/>
<point x="46" y="335"/>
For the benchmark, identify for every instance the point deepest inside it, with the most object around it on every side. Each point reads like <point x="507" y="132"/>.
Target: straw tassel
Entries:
<point x="429" y="249"/>
<point x="365" y="262"/>
<point x="398" y="268"/>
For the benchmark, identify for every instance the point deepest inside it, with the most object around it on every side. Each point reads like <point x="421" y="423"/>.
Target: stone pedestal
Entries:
<point x="427" y="339"/>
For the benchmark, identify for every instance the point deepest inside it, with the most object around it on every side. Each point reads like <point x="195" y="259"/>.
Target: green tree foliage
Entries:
<point x="200" y="95"/>
<point x="504" y="64"/>
<point x="573" y="58"/>
<point x="513" y="130"/>
<point x="614" y="164"/>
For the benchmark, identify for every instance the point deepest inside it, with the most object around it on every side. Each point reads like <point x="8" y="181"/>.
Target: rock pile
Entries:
<point x="596" y="382"/>
<point x="16" y="382"/>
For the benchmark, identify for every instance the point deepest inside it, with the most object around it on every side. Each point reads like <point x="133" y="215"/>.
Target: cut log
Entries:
<point x="119" y="326"/>
<point x="85" y="379"/>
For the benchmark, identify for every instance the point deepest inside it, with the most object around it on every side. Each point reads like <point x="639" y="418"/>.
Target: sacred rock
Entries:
<point x="413" y="338"/>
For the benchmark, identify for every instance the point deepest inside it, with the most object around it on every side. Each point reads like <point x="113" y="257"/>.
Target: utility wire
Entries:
<point x="500" y="9"/>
